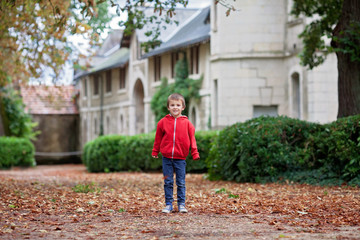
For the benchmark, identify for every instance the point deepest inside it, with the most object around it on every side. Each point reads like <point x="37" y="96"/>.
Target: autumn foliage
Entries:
<point x="61" y="202"/>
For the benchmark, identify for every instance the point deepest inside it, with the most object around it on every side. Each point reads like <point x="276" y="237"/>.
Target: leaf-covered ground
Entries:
<point x="67" y="202"/>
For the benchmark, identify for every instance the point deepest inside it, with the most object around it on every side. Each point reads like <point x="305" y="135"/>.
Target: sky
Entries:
<point x="67" y="76"/>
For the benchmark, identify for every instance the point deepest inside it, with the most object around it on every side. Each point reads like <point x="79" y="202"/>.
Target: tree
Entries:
<point x="137" y="19"/>
<point x="343" y="28"/>
<point x="34" y="36"/>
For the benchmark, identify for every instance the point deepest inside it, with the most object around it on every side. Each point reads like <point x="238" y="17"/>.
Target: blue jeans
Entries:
<point x="169" y="166"/>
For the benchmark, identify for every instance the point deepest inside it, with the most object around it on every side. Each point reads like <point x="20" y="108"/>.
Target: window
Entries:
<point x="95" y="126"/>
<point x="270" y="111"/>
<point x="84" y="133"/>
<point x="194" y="60"/>
<point x="157" y="68"/>
<point x="122" y="78"/>
<point x="121" y="123"/>
<point x="108" y="128"/>
<point x="96" y="84"/>
<point x="108" y="81"/>
<point x="174" y="59"/>
<point x="193" y="117"/>
<point x="295" y="78"/>
<point x="216" y="102"/>
<point x="85" y="87"/>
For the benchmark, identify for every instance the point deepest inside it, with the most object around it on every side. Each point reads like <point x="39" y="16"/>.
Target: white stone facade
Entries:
<point x="249" y="67"/>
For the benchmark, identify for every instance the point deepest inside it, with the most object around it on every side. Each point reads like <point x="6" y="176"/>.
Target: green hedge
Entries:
<point x="204" y="140"/>
<point x="338" y="150"/>
<point x="16" y="152"/>
<point x="264" y="149"/>
<point x="280" y="148"/>
<point x="133" y="153"/>
<point x="261" y="147"/>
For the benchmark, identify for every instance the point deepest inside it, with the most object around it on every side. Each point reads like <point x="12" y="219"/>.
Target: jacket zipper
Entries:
<point x="172" y="154"/>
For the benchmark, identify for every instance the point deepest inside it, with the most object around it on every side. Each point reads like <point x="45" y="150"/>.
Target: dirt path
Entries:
<point x="49" y="202"/>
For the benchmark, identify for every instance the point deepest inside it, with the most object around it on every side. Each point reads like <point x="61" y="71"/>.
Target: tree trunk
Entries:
<point x="349" y="71"/>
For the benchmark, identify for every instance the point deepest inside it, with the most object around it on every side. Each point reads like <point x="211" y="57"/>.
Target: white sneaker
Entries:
<point x="167" y="209"/>
<point x="182" y="209"/>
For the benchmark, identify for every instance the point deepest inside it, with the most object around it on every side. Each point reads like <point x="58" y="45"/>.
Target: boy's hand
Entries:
<point x="196" y="159"/>
<point x="155" y="156"/>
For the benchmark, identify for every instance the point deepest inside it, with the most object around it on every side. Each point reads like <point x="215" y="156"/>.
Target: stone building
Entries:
<point x="55" y="110"/>
<point x="248" y="61"/>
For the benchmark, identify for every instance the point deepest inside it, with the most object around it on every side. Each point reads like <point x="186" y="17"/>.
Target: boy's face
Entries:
<point x="175" y="107"/>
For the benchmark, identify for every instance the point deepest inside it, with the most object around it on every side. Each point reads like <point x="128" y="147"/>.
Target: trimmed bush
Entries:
<point x="133" y="153"/>
<point x="204" y="140"/>
<point x="262" y="148"/>
<point x="16" y="152"/>
<point x="280" y="148"/>
<point x="336" y="150"/>
<point x="340" y="148"/>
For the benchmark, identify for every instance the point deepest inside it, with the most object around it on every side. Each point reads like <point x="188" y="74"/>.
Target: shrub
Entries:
<point x="204" y="140"/>
<point x="16" y="152"/>
<point x="20" y="122"/>
<point x="262" y="148"/>
<point x="340" y="148"/>
<point x="120" y="153"/>
<point x="281" y="148"/>
<point x="133" y="153"/>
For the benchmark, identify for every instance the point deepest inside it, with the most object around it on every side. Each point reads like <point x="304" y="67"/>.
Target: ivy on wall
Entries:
<point x="187" y="87"/>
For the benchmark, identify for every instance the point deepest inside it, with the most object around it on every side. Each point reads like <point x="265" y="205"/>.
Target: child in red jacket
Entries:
<point x="174" y="136"/>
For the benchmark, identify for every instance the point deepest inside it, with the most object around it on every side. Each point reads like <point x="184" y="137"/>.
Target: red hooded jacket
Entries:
<point x="174" y="137"/>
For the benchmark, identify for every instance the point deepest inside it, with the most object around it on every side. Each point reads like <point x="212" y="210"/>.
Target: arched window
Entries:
<point x="296" y="98"/>
<point x="193" y="116"/>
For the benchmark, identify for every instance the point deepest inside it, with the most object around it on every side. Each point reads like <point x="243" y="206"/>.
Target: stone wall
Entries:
<point x="59" y="134"/>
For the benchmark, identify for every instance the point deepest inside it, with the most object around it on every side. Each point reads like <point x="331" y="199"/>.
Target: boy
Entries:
<point x="174" y="135"/>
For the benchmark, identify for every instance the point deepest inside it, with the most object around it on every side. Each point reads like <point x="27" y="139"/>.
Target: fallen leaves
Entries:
<point x="35" y="198"/>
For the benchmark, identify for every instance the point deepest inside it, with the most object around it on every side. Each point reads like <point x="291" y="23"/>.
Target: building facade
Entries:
<point x="55" y="110"/>
<point x="248" y="63"/>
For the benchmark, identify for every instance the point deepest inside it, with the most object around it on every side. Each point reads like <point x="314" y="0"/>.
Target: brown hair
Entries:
<point x="176" y="96"/>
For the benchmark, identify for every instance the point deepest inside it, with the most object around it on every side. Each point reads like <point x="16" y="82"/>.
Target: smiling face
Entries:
<point x="175" y="107"/>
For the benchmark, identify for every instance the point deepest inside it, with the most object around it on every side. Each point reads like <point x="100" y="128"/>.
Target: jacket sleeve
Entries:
<point x="158" y="137"/>
<point x="194" y="151"/>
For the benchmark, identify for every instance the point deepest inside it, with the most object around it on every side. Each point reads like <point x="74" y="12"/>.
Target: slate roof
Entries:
<point x="113" y="40"/>
<point x="108" y="56"/>
<point x="195" y="30"/>
<point x="50" y="99"/>
<point x="181" y="15"/>
<point x="112" y="55"/>
<point x="117" y="59"/>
